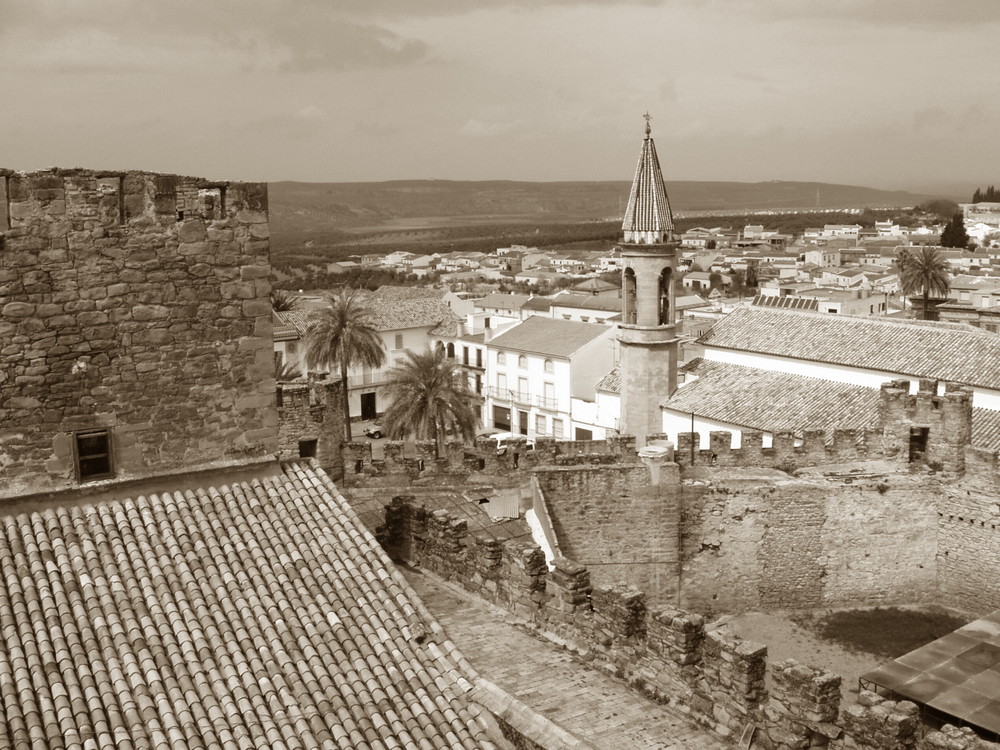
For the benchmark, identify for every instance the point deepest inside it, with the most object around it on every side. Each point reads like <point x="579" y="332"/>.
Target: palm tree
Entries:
<point x="344" y="335"/>
<point x="283" y="300"/>
<point x="429" y="395"/>
<point x="922" y="270"/>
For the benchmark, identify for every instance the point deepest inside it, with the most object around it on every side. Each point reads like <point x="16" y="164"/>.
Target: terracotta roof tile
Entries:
<point x="610" y="383"/>
<point x="767" y="400"/>
<point x="258" y="614"/>
<point x="547" y="336"/>
<point x="914" y="348"/>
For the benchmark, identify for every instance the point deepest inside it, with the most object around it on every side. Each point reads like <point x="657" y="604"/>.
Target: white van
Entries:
<point x="504" y="440"/>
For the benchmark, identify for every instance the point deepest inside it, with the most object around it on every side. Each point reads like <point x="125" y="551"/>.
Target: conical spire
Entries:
<point x="648" y="219"/>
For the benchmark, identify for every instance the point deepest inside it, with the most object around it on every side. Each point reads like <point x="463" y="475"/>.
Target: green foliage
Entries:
<point x="954" y="234"/>
<point x="429" y="396"/>
<point x="342" y="336"/>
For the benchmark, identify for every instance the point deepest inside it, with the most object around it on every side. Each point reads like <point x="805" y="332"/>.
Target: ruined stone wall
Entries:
<point x="759" y="540"/>
<point x="308" y="412"/>
<point x="968" y="538"/>
<point x="617" y="522"/>
<point x="669" y="654"/>
<point x="139" y="303"/>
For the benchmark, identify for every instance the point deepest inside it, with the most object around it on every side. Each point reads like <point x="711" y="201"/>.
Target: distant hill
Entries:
<point x="405" y="204"/>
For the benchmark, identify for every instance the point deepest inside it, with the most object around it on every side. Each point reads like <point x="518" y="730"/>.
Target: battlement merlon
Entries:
<point x="60" y="201"/>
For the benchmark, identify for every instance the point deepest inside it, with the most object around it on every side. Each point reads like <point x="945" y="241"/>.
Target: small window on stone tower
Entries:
<point x="307" y="448"/>
<point x="93" y="455"/>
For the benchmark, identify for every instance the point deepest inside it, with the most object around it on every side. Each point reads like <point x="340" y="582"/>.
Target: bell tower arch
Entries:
<point x="647" y="335"/>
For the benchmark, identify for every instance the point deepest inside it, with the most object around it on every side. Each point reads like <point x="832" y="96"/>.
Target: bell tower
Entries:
<point x="647" y="335"/>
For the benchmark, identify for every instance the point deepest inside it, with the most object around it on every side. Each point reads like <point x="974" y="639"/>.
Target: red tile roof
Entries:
<point x="259" y="614"/>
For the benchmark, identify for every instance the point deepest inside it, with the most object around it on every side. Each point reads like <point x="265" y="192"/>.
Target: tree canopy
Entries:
<point x="989" y="195"/>
<point x="342" y="336"/>
<point x="924" y="271"/>
<point x="428" y="397"/>
<point x="954" y="234"/>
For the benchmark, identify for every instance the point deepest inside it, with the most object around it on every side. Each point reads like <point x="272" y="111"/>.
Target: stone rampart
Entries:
<point x="311" y="422"/>
<point x="135" y="303"/>
<point x="666" y="653"/>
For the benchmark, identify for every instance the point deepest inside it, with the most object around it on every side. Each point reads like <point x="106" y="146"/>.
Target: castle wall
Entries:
<point x="617" y="522"/>
<point x="759" y="540"/>
<point x="669" y="654"/>
<point x="139" y="303"/>
<point x="311" y="417"/>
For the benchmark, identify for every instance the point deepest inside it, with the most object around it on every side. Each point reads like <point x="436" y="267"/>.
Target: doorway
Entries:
<point x="918" y="443"/>
<point x="368" y="407"/>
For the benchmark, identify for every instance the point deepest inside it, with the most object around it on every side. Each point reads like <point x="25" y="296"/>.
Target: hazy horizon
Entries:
<point x="889" y="94"/>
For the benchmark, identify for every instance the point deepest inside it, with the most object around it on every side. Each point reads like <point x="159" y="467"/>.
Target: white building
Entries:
<point x="542" y="375"/>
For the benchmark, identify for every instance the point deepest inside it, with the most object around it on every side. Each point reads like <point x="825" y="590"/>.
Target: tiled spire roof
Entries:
<point x="648" y="219"/>
<point x="256" y="614"/>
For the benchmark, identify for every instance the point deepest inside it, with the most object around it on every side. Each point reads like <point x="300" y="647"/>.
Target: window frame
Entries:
<point x="78" y="457"/>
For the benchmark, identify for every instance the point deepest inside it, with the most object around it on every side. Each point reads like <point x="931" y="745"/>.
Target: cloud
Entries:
<point x="283" y="35"/>
<point x="889" y="13"/>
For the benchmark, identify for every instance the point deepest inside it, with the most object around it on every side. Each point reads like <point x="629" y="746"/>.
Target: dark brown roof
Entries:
<point x="258" y="614"/>
<point x="946" y="351"/>
<point x="555" y="338"/>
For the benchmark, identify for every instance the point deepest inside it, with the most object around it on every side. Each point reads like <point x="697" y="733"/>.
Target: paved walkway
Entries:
<point x="581" y="699"/>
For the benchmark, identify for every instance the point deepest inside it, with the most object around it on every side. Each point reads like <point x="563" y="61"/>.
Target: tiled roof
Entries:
<point x="586" y="302"/>
<point x="389" y="291"/>
<point x="298" y="320"/>
<point x="648" y="208"/>
<point x="387" y="314"/>
<point x="945" y="351"/>
<point x="610" y="383"/>
<point x="259" y="614"/>
<point x="537" y="303"/>
<point x="986" y="429"/>
<point x="501" y="301"/>
<point x="771" y="401"/>
<point x="548" y="336"/>
<point x="786" y="303"/>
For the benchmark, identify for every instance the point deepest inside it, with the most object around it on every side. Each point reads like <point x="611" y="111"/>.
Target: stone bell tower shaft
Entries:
<point x="647" y="336"/>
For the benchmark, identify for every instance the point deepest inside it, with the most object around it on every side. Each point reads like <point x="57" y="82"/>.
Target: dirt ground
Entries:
<point x="786" y="640"/>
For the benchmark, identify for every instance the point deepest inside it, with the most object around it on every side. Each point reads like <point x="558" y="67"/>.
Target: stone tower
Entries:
<point x="647" y="334"/>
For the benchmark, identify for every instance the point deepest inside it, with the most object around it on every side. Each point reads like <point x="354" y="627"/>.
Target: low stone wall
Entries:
<point x="670" y="655"/>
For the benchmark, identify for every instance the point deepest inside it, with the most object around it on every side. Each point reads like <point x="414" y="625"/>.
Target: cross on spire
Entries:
<point x="647" y="117"/>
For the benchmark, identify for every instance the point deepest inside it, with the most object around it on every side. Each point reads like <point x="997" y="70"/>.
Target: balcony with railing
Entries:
<point x="522" y="398"/>
<point x="376" y="377"/>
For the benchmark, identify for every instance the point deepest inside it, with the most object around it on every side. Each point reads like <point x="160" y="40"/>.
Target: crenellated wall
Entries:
<point x="668" y="654"/>
<point x="138" y="303"/>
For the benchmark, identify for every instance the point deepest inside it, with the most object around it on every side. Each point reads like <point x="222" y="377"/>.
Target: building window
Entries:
<point x="549" y="367"/>
<point x="307" y="448"/>
<point x="399" y="341"/>
<point x="557" y="428"/>
<point x="479" y="384"/>
<point x="93" y="455"/>
<point x="539" y="424"/>
<point x="501" y="358"/>
<point x="479" y="357"/>
<point x="522" y="361"/>
<point x="465" y="355"/>
<point x="291" y="347"/>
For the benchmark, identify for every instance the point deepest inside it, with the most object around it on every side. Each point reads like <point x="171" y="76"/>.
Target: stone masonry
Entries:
<point x="137" y="303"/>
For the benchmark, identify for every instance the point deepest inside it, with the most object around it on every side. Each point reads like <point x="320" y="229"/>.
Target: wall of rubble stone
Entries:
<point x="311" y="418"/>
<point x="764" y="540"/>
<point x="669" y="654"/>
<point x="139" y="303"/>
<point x="619" y="523"/>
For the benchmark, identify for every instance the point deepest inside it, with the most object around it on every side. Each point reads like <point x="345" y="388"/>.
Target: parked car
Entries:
<point x="504" y="440"/>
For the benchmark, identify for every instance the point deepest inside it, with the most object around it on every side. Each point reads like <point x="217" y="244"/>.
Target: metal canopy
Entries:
<point x="957" y="675"/>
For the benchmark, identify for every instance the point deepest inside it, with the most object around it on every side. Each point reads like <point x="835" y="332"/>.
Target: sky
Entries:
<point x="883" y="93"/>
